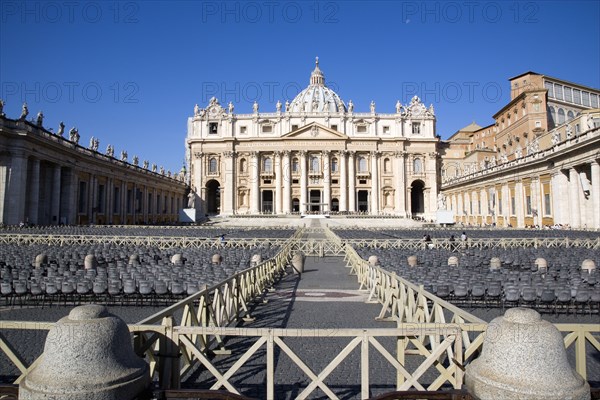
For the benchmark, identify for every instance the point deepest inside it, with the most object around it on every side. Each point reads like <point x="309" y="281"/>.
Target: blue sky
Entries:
<point x="130" y="72"/>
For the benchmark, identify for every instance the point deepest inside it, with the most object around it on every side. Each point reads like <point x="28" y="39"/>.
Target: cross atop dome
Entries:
<point x="317" y="77"/>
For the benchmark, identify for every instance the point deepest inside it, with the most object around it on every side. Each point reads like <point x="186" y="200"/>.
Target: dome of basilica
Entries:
<point x="317" y="97"/>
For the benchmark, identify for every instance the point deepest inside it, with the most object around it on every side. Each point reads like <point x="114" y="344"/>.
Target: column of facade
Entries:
<point x="574" y="198"/>
<point x="303" y="181"/>
<point x="109" y="200"/>
<point x="351" y="182"/>
<point x="278" y="183"/>
<point x="374" y="183"/>
<point x="33" y="191"/>
<point x="460" y="205"/>
<point x="400" y="182"/>
<point x="287" y="183"/>
<point x="536" y="204"/>
<point x="14" y="204"/>
<point x="519" y="203"/>
<point x="585" y="218"/>
<point x="229" y="184"/>
<point x="254" y="178"/>
<point x="431" y="183"/>
<point x="343" y="181"/>
<point x="596" y="193"/>
<point x="326" y="182"/>
<point x="483" y="201"/>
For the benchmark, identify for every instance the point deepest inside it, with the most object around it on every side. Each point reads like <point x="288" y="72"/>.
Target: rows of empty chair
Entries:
<point x="548" y="279"/>
<point x="160" y="231"/>
<point x="43" y="274"/>
<point x="446" y="233"/>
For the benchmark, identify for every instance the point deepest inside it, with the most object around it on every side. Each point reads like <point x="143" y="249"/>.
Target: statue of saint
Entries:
<point x="255" y="107"/>
<point x="350" y="106"/>
<point x="154" y="167"/>
<point x="1" y="108"/>
<point x="191" y="199"/>
<point x="590" y="122"/>
<point x="24" y="111"/>
<point x="398" y="107"/>
<point x="196" y="110"/>
<point x="40" y="119"/>
<point x="145" y="164"/>
<point x="110" y="150"/>
<point x="278" y="106"/>
<point x="123" y="155"/>
<point x="569" y="131"/>
<point x="61" y="129"/>
<point x="287" y="106"/>
<point x="230" y="107"/>
<point x="74" y="135"/>
<point x="372" y="107"/>
<point x="136" y="160"/>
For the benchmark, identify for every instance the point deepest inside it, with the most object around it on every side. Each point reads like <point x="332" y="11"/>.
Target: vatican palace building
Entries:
<point x="536" y="165"/>
<point x="314" y="154"/>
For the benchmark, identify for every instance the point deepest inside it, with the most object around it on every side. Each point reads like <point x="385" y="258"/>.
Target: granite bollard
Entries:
<point x="87" y="356"/>
<point x="524" y="357"/>
<point x="298" y="262"/>
<point x="374" y="261"/>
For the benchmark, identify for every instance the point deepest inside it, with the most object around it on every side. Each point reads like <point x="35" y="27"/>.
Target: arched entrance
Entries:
<point x="417" y="198"/>
<point x="295" y="205"/>
<point x="213" y="197"/>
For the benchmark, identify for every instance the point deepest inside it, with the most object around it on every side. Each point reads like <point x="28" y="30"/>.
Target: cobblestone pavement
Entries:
<point x="324" y="297"/>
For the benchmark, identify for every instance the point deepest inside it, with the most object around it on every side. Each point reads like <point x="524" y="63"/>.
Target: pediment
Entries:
<point x="314" y="131"/>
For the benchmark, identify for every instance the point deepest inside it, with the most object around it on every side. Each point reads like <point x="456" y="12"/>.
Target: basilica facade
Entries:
<point x="313" y="155"/>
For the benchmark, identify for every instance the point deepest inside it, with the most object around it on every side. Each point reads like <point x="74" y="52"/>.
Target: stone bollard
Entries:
<point x="412" y="261"/>
<point x="298" y="262"/>
<point x="453" y="261"/>
<point x="255" y="260"/>
<point x="40" y="259"/>
<point x="90" y="262"/>
<point x="374" y="261"/>
<point x="495" y="264"/>
<point x="588" y="265"/>
<point x="216" y="259"/>
<point x="541" y="264"/>
<point x="177" y="259"/>
<point x="523" y="357"/>
<point x="87" y="356"/>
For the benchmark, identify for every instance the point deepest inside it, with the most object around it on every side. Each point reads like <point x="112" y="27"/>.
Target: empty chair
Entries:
<point x="548" y="298"/>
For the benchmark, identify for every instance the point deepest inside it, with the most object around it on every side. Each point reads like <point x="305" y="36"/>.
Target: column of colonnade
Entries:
<point x="374" y="182"/>
<point x="287" y="183"/>
<point x="303" y="181"/>
<point x="343" y="181"/>
<point x="326" y="181"/>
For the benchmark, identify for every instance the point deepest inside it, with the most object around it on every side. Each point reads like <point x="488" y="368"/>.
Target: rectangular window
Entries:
<point x="568" y="94"/>
<point x="585" y="97"/>
<point x="334" y="127"/>
<point x="362" y="181"/>
<point x="528" y="202"/>
<point x="82" y="197"/>
<point x="243" y="130"/>
<point x="550" y="87"/>
<point x="334" y="181"/>
<point x="213" y="128"/>
<point x="267" y="129"/>
<point x="267" y="181"/>
<point x="547" y="204"/>
<point x="386" y="129"/>
<point x="294" y="128"/>
<point x="101" y="199"/>
<point x="576" y="96"/>
<point x="416" y="128"/>
<point x="594" y="100"/>
<point x="295" y="181"/>
<point x="558" y="92"/>
<point x="513" y="208"/>
<point x="117" y="200"/>
<point x="479" y="207"/>
<point x="361" y="129"/>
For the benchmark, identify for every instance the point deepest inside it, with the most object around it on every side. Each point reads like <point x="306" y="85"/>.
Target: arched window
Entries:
<point x="295" y="166"/>
<point x="570" y="115"/>
<point x="212" y="165"/>
<point x="362" y="164"/>
<point x="243" y="165"/>
<point x="561" y="116"/>
<point x="417" y="166"/>
<point x="268" y="165"/>
<point x="314" y="163"/>
<point x="552" y="121"/>
<point x="334" y="165"/>
<point x="387" y="165"/>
